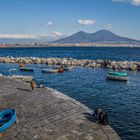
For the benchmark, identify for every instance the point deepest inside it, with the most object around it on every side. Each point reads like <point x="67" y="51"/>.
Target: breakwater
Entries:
<point x="116" y="65"/>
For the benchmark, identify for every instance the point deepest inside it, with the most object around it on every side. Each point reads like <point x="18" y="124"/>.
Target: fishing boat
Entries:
<point x="120" y="78"/>
<point x="7" y="118"/>
<point x="26" y="69"/>
<point x="117" y="73"/>
<point x="59" y="70"/>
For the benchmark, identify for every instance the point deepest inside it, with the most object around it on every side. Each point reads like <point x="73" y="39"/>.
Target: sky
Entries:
<point x="58" y="18"/>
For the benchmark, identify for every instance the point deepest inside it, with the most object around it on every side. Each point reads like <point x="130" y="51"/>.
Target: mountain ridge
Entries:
<point x="101" y="36"/>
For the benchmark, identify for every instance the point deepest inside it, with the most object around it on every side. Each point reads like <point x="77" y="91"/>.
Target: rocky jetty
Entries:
<point x="116" y="65"/>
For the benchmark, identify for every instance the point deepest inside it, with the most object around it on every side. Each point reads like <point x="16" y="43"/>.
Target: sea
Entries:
<point x="121" y="100"/>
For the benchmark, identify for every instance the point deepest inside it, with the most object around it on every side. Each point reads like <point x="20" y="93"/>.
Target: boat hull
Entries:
<point x="119" y="78"/>
<point x="7" y="118"/>
<point x="52" y="70"/>
<point x="26" y="69"/>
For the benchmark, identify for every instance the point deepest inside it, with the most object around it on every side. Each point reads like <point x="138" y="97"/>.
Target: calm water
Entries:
<point x="76" y="52"/>
<point x="121" y="100"/>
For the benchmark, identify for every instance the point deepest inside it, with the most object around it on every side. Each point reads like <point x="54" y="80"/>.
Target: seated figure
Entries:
<point x="101" y="116"/>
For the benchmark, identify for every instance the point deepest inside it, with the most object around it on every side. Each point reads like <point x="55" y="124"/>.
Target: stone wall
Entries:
<point x="116" y="65"/>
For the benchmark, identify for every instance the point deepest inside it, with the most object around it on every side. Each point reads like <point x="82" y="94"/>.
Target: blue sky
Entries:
<point x="57" y="18"/>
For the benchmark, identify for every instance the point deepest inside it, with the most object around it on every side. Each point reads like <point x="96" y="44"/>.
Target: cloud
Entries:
<point x="57" y="34"/>
<point x="86" y="22"/>
<point x="109" y="26"/>
<point x="49" y="24"/>
<point x="52" y="36"/>
<point x="19" y="36"/>
<point x="133" y="2"/>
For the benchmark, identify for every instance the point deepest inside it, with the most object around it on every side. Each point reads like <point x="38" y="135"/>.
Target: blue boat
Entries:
<point x="7" y="118"/>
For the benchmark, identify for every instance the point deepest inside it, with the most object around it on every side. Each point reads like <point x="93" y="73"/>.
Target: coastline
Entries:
<point x="67" y="45"/>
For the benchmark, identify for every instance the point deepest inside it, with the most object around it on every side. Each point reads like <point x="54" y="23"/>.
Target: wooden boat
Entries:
<point x="26" y="69"/>
<point x="117" y="73"/>
<point x="59" y="70"/>
<point x="7" y="118"/>
<point x="120" y="78"/>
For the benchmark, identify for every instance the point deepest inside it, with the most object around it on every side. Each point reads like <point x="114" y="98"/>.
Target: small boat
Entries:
<point x="26" y="69"/>
<point x="14" y="69"/>
<point x="7" y="118"/>
<point x="120" y="78"/>
<point x="59" y="70"/>
<point x="117" y="73"/>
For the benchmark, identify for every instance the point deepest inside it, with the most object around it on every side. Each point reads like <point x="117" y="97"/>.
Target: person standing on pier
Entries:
<point x="33" y="84"/>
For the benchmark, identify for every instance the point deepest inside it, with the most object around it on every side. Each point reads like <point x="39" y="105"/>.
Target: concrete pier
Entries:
<point x="46" y="114"/>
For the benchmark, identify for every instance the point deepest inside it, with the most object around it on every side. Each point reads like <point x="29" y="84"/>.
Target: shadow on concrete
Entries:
<point x="24" y="89"/>
<point x="90" y="117"/>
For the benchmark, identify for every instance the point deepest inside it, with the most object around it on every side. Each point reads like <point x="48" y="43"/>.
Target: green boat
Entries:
<point x="120" y="78"/>
<point x="117" y="73"/>
<point x="26" y="69"/>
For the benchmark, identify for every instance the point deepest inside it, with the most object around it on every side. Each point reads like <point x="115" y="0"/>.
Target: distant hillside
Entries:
<point x="102" y="36"/>
<point x="11" y="40"/>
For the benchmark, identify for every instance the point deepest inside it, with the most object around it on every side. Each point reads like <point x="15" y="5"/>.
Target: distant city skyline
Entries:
<point x="54" y="19"/>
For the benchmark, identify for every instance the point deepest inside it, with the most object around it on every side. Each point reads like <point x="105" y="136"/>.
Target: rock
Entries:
<point x="74" y="62"/>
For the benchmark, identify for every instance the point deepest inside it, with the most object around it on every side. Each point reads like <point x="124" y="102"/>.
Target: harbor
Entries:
<point x="94" y="86"/>
<point x="48" y="114"/>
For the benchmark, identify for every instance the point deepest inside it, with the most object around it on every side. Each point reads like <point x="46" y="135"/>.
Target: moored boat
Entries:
<point x="117" y="73"/>
<point x="59" y="70"/>
<point x="7" y="118"/>
<point x="120" y="78"/>
<point x="14" y="69"/>
<point x="26" y="69"/>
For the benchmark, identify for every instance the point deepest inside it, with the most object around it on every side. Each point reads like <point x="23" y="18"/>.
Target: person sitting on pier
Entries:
<point x="101" y="116"/>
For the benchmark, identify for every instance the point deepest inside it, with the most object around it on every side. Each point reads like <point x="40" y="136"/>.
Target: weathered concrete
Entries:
<point x="45" y="114"/>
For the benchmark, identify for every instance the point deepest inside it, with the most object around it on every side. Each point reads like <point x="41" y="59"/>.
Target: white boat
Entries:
<point x="14" y="69"/>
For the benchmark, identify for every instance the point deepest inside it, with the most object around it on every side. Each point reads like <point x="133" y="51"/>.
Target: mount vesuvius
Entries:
<point x="101" y="36"/>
